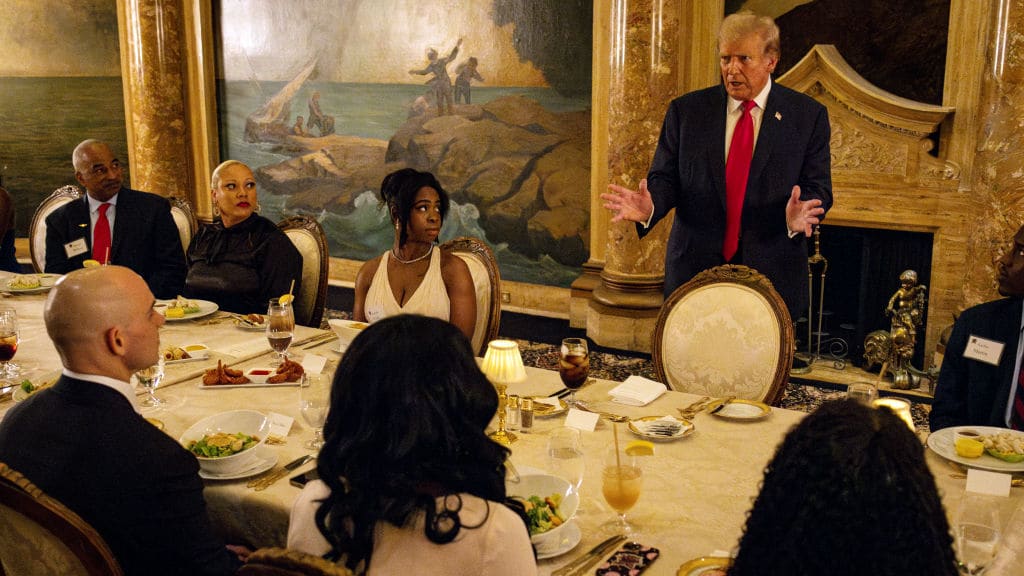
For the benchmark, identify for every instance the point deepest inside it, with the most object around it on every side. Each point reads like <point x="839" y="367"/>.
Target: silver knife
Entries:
<point x="718" y="408"/>
<point x="263" y="482"/>
<point x="596" y="553"/>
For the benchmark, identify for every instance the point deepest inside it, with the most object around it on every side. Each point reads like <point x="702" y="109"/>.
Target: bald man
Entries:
<point x="83" y="442"/>
<point x="136" y="227"/>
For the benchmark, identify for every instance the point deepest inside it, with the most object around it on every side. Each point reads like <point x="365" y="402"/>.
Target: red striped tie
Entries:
<point x="101" y="236"/>
<point x="737" y="169"/>
<point x="1017" y="413"/>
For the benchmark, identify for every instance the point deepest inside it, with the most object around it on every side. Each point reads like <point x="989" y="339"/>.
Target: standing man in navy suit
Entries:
<point x="778" y="192"/>
<point x="115" y="225"/>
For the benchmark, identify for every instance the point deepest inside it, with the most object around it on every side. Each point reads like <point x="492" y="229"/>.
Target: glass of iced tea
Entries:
<point x="621" y="480"/>
<point x="8" y="343"/>
<point x="573" y="365"/>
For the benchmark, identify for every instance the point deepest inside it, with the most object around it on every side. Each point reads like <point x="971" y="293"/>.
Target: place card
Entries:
<point x="985" y="482"/>
<point x="313" y="363"/>
<point x="637" y="391"/>
<point x="280" y="425"/>
<point x="583" y="421"/>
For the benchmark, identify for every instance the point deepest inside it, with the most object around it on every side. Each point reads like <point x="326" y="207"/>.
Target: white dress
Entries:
<point x="498" y="547"/>
<point x="429" y="299"/>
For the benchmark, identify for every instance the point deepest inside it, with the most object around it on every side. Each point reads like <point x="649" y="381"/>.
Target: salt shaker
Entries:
<point x="525" y="414"/>
<point x="512" y="414"/>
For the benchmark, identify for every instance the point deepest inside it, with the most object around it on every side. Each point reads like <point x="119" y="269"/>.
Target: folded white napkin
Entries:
<point x="637" y="391"/>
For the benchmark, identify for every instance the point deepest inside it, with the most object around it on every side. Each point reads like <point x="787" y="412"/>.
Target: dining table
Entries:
<point x="696" y="490"/>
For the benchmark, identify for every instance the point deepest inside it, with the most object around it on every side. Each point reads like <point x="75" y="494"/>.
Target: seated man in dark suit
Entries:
<point x="82" y="441"/>
<point x="116" y="225"/>
<point x="980" y="381"/>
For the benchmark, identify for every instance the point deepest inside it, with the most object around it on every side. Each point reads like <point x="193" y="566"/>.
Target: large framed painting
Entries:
<point x="60" y="83"/>
<point x="323" y="98"/>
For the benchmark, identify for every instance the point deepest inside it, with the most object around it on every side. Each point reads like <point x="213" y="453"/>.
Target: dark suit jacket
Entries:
<point x="145" y="239"/>
<point x="971" y="392"/>
<point x="83" y="444"/>
<point x="688" y="174"/>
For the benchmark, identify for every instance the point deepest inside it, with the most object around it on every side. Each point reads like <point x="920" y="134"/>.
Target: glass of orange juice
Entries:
<point x="621" y="480"/>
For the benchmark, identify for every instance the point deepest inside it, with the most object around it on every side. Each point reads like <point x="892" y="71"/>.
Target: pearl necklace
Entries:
<point x="394" y="255"/>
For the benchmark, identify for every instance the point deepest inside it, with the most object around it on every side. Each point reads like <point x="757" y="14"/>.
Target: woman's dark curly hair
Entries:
<point x="847" y="493"/>
<point x="398" y="191"/>
<point x="406" y="425"/>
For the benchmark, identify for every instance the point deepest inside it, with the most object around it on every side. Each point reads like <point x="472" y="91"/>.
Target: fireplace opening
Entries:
<point x="864" y="265"/>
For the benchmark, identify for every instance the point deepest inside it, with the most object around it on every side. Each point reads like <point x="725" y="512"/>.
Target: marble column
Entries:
<point x="154" y="72"/>
<point x="636" y="81"/>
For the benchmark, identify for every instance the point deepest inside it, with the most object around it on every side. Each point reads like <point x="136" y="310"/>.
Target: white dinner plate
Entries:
<point x="941" y="442"/>
<point x="570" y="539"/>
<point x="267" y="460"/>
<point x="638" y="427"/>
<point x="740" y="409"/>
<point x="46" y="282"/>
<point x="205" y="309"/>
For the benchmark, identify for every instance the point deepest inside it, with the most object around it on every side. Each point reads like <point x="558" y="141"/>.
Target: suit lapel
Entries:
<point x="716" y="146"/>
<point x="766" y="138"/>
<point x="122" y="221"/>
<point x="81" y="223"/>
<point x="1008" y="324"/>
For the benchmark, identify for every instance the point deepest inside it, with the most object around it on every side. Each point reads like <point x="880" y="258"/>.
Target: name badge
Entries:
<point x="984" y="350"/>
<point x="76" y="247"/>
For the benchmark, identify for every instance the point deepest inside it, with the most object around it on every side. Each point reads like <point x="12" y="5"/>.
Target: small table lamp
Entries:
<point x="503" y="365"/>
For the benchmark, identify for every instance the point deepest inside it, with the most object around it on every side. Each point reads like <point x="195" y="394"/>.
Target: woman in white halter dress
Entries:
<point x="415" y="276"/>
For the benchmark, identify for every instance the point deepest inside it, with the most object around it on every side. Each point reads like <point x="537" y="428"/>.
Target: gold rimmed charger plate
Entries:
<point x="700" y="565"/>
<point x="686" y="429"/>
<point x="740" y="409"/>
<point x="542" y="410"/>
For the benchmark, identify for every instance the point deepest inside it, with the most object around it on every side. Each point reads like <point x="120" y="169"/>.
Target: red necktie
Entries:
<point x="101" y="236"/>
<point x="1017" y="412"/>
<point x="737" y="169"/>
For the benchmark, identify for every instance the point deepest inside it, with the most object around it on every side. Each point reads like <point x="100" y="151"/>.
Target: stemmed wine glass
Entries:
<point x="150" y="379"/>
<point x="280" y="328"/>
<point x="621" y="481"/>
<point x="565" y="455"/>
<point x="316" y="397"/>
<point x="8" y="343"/>
<point x="573" y="365"/>
<point x="977" y="533"/>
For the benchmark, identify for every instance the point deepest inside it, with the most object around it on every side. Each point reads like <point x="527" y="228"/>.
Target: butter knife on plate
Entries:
<point x="579" y="565"/>
<point x="718" y="408"/>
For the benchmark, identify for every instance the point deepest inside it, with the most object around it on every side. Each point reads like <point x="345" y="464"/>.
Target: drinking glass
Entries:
<point x="150" y="379"/>
<point x="280" y="329"/>
<point x="8" y="343"/>
<point x="573" y="365"/>
<point x="316" y="397"/>
<point x="862" y="392"/>
<point x="565" y="455"/>
<point x="621" y="481"/>
<point x="977" y="532"/>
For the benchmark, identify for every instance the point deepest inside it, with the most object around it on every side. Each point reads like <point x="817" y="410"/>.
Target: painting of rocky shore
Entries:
<point x="512" y="151"/>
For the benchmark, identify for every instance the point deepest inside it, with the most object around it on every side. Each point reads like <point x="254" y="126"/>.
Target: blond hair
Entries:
<point x="215" y="178"/>
<point x="743" y="24"/>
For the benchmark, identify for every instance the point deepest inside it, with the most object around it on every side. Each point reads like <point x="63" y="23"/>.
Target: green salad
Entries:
<point x="543" y="513"/>
<point x="222" y="444"/>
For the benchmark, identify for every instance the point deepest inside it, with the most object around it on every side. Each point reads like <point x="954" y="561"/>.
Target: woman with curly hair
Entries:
<point x="411" y="482"/>
<point x="847" y="493"/>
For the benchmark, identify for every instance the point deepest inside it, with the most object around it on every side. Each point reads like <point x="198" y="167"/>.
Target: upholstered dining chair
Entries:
<point x="726" y="332"/>
<point x="283" y="562"/>
<point x="483" y="267"/>
<point x="43" y="537"/>
<point x="184" y="219"/>
<point x="37" y="229"/>
<point x="308" y="237"/>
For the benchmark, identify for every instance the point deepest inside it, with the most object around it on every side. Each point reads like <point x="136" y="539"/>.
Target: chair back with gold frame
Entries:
<point x="483" y="267"/>
<point x="283" y="562"/>
<point x="41" y="536"/>
<point x="37" y="229"/>
<point x="308" y="237"/>
<point x="184" y="218"/>
<point x="726" y="332"/>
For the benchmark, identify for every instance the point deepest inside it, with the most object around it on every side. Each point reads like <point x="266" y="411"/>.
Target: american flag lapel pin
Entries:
<point x="778" y="115"/>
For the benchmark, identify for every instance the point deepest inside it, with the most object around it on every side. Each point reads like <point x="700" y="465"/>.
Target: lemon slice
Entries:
<point x="286" y="299"/>
<point x="90" y="263"/>
<point x="969" y="448"/>
<point x="640" y="448"/>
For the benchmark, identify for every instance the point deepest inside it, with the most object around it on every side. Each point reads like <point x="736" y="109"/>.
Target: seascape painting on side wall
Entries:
<point x="323" y="98"/>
